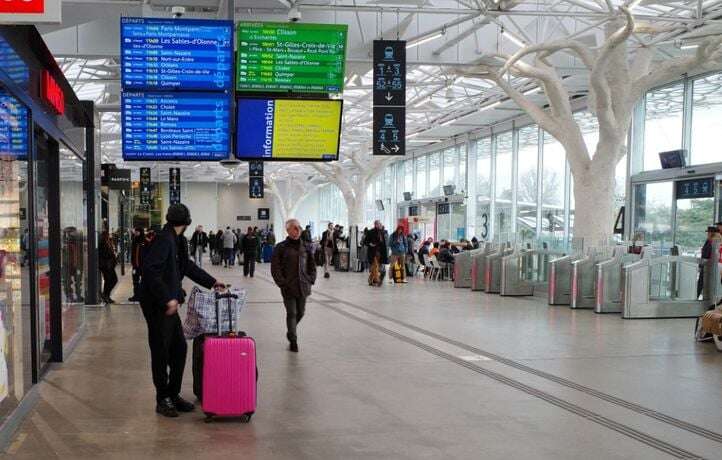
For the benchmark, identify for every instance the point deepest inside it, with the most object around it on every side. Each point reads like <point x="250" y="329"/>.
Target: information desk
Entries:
<point x="181" y="126"/>
<point x="291" y="57"/>
<point x="179" y="54"/>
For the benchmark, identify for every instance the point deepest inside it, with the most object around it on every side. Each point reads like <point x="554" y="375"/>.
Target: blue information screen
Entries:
<point x="180" y="126"/>
<point x="180" y="54"/>
<point x="13" y="127"/>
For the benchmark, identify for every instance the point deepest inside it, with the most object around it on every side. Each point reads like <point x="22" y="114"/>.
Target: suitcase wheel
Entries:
<point x="209" y="417"/>
<point x="247" y="418"/>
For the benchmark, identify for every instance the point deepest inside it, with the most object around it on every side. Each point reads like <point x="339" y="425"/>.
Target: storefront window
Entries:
<point x="502" y="225"/>
<point x="73" y="272"/>
<point x="434" y="174"/>
<point x="42" y="246"/>
<point x="706" y="119"/>
<point x="483" y="188"/>
<point x="554" y="170"/>
<point x="527" y="181"/>
<point x="663" y="123"/>
<point x="15" y="325"/>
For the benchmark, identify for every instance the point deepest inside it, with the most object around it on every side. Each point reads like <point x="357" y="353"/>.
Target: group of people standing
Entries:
<point x="227" y="246"/>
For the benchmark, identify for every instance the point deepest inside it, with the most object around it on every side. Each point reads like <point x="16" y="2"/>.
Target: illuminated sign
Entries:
<point x="52" y="93"/>
<point x="22" y="6"/>
<point x="180" y="126"/>
<point x="288" y="129"/>
<point x="176" y="54"/>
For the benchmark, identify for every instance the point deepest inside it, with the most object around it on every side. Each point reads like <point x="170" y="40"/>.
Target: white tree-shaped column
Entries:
<point x="616" y="82"/>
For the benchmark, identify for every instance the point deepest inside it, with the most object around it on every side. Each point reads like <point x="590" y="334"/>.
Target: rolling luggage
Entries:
<point x="267" y="253"/>
<point x="216" y="259"/>
<point x="229" y="374"/>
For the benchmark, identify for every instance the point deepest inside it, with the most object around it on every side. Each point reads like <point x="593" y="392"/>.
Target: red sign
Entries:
<point x="22" y="6"/>
<point x="51" y="92"/>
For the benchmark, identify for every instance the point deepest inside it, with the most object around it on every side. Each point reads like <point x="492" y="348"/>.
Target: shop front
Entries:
<point x="47" y="201"/>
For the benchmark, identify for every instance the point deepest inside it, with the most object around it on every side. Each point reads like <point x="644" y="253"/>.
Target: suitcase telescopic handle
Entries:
<point x="228" y="295"/>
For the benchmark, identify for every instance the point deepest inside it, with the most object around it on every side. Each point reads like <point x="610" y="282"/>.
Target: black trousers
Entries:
<point x="168" y="350"/>
<point x="295" y="309"/>
<point x="136" y="283"/>
<point x="110" y="279"/>
<point x="249" y="264"/>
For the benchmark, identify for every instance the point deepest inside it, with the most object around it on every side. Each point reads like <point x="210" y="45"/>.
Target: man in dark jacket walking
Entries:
<point x="165" y="264"/>
<point x="249" y="245"/>
<point x="294" y="271"/>
<point x="378" y="254"/>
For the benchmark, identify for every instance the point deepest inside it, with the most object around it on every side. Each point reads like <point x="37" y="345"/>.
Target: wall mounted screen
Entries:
<point x="288" y="129"/>
<point x="290" y="57"/>
<point x="180" y="126"/>
<point x="13" y="127"/>
<point x="179" y="54"/>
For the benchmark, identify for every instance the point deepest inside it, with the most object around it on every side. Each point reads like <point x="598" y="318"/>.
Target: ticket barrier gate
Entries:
<point x="560" y="279"/>
<point x="608" y="282"/>
<point x="492" y="275"/>
<point x="584" y="271"/>
<point x="478" y="267"/>
<point x="515" y="273"/>
<point x="666" y="287"/>
<point x="462" y="268"/>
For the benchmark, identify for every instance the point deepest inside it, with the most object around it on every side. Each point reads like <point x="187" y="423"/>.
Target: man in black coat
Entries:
<point x="294" y="271"/>
<point x="378" y="254"/>
<point x="165" y="264"/>
<point x="249" y="246"/>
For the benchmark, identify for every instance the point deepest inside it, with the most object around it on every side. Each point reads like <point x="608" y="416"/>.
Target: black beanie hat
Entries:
<point x="178" y="214"/>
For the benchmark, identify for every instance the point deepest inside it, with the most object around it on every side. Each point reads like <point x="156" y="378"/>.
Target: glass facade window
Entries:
<point x="420" y="165"/>
<point x="408" y="176"/>
<point x="527" y="182"/>
<point x="653" y="214"/>
<point x="15" y="301"/>
<point x="503" y="187"/>
<point x="483" y="188"/>
<point x="553" y="174"/>
<point x="706" y="119"/>
<point x="434" y="174"/>
<point x="451" y="160"/>
<point x="663" y="123"/>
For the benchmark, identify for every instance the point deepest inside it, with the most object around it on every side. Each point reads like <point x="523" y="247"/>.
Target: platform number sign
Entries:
<point x="389" y="130"/>
<point x="389" y="95"/>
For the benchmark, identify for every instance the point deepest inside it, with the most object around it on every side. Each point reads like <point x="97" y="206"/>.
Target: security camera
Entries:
<point x="294" y="14"/>
<point x="178" y="11"/>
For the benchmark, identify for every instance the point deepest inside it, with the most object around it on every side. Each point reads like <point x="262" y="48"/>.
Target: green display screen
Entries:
<point x="279" y="56"/>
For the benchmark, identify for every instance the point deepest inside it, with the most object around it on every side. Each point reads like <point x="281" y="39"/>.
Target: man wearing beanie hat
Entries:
<point x="165" y="264"/>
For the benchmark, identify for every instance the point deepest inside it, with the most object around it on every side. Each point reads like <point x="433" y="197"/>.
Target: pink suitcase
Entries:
<point x="229" y="375"/>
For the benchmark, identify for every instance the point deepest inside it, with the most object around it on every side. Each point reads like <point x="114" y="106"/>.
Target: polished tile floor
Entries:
<point x="400" y="372"/>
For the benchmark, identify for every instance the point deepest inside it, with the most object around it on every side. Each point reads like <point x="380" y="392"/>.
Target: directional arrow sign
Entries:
<point x="389" y="130"/>
<point x="389" y="73"/>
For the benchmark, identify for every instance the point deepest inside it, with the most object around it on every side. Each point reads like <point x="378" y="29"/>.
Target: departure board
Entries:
<point x="291" y="57"/>
<point x="177" y="54"/>
<point x="180" y="126"/>
<point x="13" y="127"/>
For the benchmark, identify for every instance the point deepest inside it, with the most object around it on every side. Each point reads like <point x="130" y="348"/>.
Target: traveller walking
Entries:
<point x="306" y="235"/>
<point x="397" y="243"/>
<point x="229" y="243"/>
<point x="165" y="265"/>
<point x="248" y="246"/>
<point x="294" y="271"/>
<point x="211" y="243"/>
<point x="107" y="260"/>
<point x="198" y="243"/>
<point x="136" y="259"/>
<point x="328" y="243"/>
<point x="712" y="232"/>
<point x="377" y="253"/>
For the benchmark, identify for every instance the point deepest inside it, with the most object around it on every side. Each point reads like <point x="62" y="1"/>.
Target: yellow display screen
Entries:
<point x="288" y="129"/>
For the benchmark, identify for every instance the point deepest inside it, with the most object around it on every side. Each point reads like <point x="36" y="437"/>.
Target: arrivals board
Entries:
<point x="290" y="57"/>
<point x="288" y="129"/>
<point x="176" y="54"/>
<point x="13" y="127"/>
<point x="179" y="126"/>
